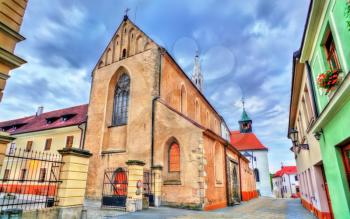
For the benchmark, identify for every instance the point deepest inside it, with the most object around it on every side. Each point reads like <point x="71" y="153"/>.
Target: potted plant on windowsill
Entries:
<point x="329" y="80"/>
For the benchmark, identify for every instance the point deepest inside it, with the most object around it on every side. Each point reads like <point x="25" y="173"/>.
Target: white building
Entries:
<point x="250" y="146"/>
<point x="286" y="183"/>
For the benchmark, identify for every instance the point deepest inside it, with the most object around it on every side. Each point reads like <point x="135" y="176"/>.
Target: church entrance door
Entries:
<point x="232" y="182"/>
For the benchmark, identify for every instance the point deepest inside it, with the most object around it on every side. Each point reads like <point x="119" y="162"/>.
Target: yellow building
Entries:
<point x="11" y="15"/>
<point x="39" y="137"/>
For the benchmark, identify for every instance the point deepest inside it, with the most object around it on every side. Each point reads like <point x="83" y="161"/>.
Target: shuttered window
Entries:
<point x="174" y="158"/>
<point x="29" y="146"/>
<point x="69" y="142"/>
<point x="48" y="144"/>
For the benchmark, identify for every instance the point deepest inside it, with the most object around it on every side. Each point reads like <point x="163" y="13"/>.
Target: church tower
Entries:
<point x="197" y="76"/>
<point x="245" y="123"/>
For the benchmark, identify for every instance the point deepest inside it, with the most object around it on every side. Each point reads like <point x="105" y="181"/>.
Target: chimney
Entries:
<point x="40" y="111"/>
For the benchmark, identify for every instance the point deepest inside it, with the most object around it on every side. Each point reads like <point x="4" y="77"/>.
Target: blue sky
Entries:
<point x="246" y="48"/>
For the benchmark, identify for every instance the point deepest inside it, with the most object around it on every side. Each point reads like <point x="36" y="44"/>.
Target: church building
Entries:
<point x="251" y="147"/>
<point x="148" y="120"/>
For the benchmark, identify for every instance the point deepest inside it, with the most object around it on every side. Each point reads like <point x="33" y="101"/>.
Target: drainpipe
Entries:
<point x="227" y="183"/>
<point x="153" y="107"/>
<point x="312" y="85"/>
<point x="240" y="176"/>
<point x="82" y="134"/>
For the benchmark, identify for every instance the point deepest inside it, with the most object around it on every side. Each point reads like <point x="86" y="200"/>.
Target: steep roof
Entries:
<point x="244" y="116"/>
<point x="49" y="120"/>
<point x="286" y="170"/>
<point x="246" y="141"/>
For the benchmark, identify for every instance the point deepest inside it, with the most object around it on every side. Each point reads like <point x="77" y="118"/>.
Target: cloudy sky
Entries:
<point x="246" y="49"/>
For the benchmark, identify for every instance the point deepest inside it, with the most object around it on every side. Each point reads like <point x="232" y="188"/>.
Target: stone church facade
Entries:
<point x="144" y="110"/>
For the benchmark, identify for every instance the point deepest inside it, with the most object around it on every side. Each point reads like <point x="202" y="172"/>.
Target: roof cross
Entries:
<point x="126" y="11"/>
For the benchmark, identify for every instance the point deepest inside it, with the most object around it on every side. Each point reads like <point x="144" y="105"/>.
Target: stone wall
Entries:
<point x="171" y="126"/>
<point x="112" y="146"/>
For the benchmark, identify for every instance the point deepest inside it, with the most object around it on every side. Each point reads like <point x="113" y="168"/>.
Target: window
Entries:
<point x="296" y="178"/>
<point x="23" y="174"/>
<point x="29" y="146"/>
<point x="42" y="174"/>
<point x="331" y="52"/>
<point x="12" y="148"/>
<point x="124" y="53"/>
<point x="121" y="101"/>
<point x="183" y="99"/>
<point x="69" y="141"/>
<point x="174" y="158"/>
<point x="197" y="110"/>
<point x="257" y="176"/>
<point x="218" y="163"/>
<point x="6" y="175"/>
<point x="48" y="144"/>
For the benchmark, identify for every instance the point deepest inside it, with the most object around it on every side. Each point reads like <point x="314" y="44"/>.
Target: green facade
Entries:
<point x="334" y="108"/>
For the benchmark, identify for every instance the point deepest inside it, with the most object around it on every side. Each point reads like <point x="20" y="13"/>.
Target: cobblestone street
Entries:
<point x="261" y="208"/>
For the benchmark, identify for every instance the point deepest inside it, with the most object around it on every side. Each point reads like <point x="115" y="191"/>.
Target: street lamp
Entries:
<point x="293" y="135"/>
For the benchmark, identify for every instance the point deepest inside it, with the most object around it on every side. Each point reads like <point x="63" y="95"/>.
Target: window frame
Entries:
<point x="68" y="141"/>
<point x="331" y="52"/>
<point x="29" y="146"/>
<point x="47" y="148"/>
<point x="121" y="98"/>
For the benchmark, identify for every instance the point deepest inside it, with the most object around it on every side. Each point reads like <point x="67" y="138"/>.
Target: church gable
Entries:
<point x="127" y="41"/>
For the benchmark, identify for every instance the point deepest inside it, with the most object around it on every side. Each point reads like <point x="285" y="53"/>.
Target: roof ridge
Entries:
<point x="34" y="116"/>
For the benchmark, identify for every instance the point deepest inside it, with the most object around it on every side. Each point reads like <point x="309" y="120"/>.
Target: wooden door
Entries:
<point x="327" y="192"/>
<point x="346" y="160"/>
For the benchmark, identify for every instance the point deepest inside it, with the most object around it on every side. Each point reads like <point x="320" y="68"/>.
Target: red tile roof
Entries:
<point x="286" y="170"/>
<point x="76" y="115"/>
<point x="246" y="141"/>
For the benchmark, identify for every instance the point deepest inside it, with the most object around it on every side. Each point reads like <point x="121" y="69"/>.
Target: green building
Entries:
<point x="326" y="47"/>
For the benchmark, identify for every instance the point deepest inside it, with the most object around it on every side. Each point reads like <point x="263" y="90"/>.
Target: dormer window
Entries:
<point x="67" y="117"/>
<point x="51" y="120"/>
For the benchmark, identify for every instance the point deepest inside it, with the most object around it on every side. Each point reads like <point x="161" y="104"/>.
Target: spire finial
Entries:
<point x="243" y="102"/>
<point x="197" y="53"/>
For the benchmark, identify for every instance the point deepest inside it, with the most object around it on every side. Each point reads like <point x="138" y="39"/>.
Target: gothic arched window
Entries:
<point x="256" y="173"/>
<point x="121" y="101"/>
<point x="174" y="158"/>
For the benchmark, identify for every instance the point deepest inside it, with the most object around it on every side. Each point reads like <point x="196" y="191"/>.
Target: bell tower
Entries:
<point x="197" y="76"/>
<point x="245" y="123"/>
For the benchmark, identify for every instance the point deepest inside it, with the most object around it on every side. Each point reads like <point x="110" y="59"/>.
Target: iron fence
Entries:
<point x="115" y="187"/>
<point x="29" y="179"/>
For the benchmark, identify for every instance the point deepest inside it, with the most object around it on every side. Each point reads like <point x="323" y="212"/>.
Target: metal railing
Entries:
<point x="29" y="179"/>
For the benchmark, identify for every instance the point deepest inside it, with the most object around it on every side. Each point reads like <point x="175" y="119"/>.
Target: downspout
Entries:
<point x="82" y="134"/>
<point x="312" y="85"/>
<point x="227" y="183"/>
<point x="153" y="106"/>
<point x="240" y="176"/>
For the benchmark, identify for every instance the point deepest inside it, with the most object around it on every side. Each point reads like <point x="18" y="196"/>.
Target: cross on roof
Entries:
<point x="126" y="11"/>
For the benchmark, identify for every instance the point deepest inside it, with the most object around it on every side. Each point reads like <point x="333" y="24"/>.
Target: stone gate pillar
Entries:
<point x="71" y="192"/>
<point x="157" y="184"/>
<point x="5" y="138"/>
<point x="135" y="188"/>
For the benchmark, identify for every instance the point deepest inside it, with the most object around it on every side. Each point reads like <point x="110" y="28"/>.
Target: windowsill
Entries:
<point x="172" y="182"/>
<point x="113" y="126"/>
<point x="112" y="152"/>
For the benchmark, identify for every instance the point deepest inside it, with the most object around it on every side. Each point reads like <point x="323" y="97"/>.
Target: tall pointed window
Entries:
<point x="174" y="158"/>
<point x="121" y="101"/>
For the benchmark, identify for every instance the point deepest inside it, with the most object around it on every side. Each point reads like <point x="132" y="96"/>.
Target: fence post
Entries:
<point x="71" y="191"/>
<point x="5" y="138"/>
<point x="157" y="184"/>
<point x="135" y="192"/>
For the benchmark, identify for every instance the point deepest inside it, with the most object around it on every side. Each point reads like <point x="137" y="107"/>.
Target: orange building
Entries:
<point x="144" y="110"/>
